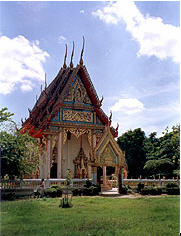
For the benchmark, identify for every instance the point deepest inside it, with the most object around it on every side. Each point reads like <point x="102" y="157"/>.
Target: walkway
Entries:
<point x="110" y="193"/>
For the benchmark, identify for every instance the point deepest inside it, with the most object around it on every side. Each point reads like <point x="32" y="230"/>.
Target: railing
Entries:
<point x="35" y="183"/>
<point x="149" y="182"/>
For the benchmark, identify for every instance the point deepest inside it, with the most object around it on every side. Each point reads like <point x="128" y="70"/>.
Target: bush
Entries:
<point x="172" y="188"/>
<point x="151" y="191"/>
<point x="124" y="190"/>
<point x="59" y="190"/>
<point x="88" y="184"/>
<point x="77" y="191"/>
<point x="51" y="192"/>
<point x="8" y="196"/>
<point x="172" y="185"/>
<point x="173" y="191"/>
<point x="140" y="187"/>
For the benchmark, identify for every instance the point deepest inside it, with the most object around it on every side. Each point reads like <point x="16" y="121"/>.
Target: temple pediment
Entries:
<point x="107" y="151"/>
<point x="77" y="93"/>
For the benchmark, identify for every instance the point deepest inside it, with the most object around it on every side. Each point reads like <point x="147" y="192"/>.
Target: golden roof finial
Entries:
<point x="64" y="65"/>
<point x="82" y="52"/>
<point x="45" y="80"/>
<point x="71" y="63"/>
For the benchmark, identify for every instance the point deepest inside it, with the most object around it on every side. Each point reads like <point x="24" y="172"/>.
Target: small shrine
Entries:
<point x="73" y="130"/>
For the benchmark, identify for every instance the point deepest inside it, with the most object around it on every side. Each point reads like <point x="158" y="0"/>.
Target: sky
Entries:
<point x="131" y="54"/>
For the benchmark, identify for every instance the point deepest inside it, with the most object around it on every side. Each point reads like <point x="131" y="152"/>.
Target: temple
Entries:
<point x="73" y="130"/>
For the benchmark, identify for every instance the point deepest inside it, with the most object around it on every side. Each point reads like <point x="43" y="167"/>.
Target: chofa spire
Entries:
<point x="71" y="63"/>
<point x="65" y="65"/>
<point x="81" y="56"/>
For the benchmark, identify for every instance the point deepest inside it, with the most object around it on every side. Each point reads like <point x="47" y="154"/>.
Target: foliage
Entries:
<point x="151" y="156"/>
<point x="163" y="154"/>
<point x="19" y="154"/>
<point x="92" y="216"/>
<point x="151" y="190"/>
<point x="172" y="188"/>
<point x="51" y="192"/>
<point x="124" y="189"/>
<point x="8" y="196"/>
<point x="132" y="143"/>
<point x="173" y="191"/>
<point x="172" y="185"/>
<point x="140" y="187"/>
<point x="5" y="115"/>
<point x="68" y="177"/>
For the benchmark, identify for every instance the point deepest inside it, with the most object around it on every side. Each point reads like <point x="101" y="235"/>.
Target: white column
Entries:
<point x="48" y="154"/>
<point x="89" y="172"/>
<point x="59" y="157"/>
<point x="104" y="175"/>
<point x="42" y="166"/>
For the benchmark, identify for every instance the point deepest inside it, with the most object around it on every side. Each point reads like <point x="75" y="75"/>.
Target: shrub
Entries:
<point x="51" y="192"/>
<point x="76" y="191"/>
<point x="173" y="191"/>
<point x="59" y="190"/>
<point x="172" y="185"/>
<point x="8" y="196"/>
<point x="151" y="190"/>
<point x="140" y="187"/>
<point x="88" y="183"/>
<point x="124" y="190"/>
<point x="172" y="188"/>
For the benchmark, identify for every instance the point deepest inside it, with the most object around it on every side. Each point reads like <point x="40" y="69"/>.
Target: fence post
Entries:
<point x="21" y="184"/>
<point x="47" y="183"/>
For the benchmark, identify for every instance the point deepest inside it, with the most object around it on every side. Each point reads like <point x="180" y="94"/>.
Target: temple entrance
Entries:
<point x="99" y="174"/>
<point x="110" y="170"/>
<point x="53" y="171"/>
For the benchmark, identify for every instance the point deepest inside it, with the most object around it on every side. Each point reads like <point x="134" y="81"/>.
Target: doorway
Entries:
<point x="99" y="174"/>
<point x="110" y="170"/>
<point x="53" y="171"/>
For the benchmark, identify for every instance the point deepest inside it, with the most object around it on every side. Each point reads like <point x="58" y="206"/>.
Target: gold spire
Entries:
<point x="64" y="65"/>
<point x="45" y="80"/>
<point x="81" y="59"/>
<point x="71" y="63"/>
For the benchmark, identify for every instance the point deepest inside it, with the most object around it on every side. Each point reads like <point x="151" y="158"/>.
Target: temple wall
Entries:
<point x="70" y="151"/>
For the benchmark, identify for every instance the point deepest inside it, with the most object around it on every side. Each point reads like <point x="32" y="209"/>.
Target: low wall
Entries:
<point x="35" y="183"/>
<point x="149" y="182"/>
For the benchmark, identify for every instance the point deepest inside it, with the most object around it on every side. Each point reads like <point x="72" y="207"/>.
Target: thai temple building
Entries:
<point x="73" y="130"/>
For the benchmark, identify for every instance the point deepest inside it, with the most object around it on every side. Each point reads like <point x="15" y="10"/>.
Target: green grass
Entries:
<point x="92" y="216"/>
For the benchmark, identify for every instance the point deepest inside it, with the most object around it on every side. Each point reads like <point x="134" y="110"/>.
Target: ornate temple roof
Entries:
<point x="51" y="99"/>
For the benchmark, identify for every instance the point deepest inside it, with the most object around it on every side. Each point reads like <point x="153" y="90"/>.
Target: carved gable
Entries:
<point x="77" y="92"/>
<point x="108" y="156"/>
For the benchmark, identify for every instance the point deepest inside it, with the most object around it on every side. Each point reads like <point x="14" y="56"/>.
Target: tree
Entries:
<point x="163" y="154"/>
<point x="19" y="153"/>
<point x="5" y="115"/>
<point x="132" y="143"/>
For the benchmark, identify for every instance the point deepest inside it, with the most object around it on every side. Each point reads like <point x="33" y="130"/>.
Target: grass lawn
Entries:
<point x="92" y="216"/>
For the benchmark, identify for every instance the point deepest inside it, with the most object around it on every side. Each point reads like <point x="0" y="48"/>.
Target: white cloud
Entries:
<point x="82" y="11"/>
<point x="21" y="63"/>
<point x="61" y="39"/>
<point x="154" y="37"/>
<point x="127" y="106"/>
<point x="150" y="119"/>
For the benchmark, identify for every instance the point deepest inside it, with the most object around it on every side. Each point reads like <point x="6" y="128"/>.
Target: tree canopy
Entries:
<point x="132" y="143"/>
<point x="19" y="152"/>
<point x="151" y="156"/>
<point x="5" y="115"/>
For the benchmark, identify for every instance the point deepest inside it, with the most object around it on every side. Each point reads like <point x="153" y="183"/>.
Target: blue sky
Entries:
<point x="131" y="54"/>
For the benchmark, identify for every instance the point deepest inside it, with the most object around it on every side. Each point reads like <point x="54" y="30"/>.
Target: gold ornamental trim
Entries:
<point x="77" y="132"/>
<point x="81" y="116"/>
